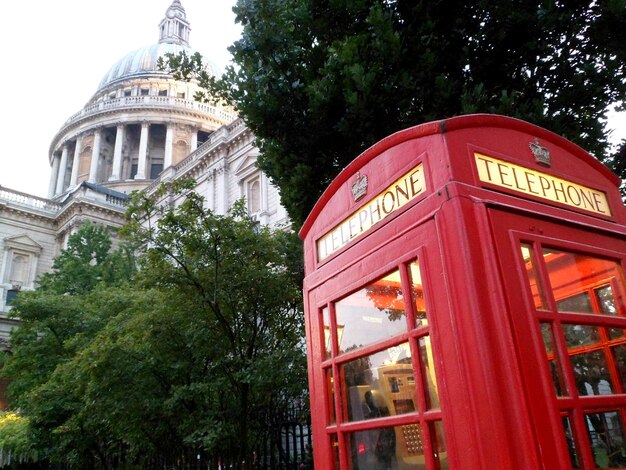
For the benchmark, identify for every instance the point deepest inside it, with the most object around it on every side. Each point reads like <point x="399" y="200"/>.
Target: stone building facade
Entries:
<point x="141" y="128"/>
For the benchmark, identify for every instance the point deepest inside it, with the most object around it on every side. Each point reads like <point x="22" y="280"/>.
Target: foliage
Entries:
<point x="15" y="444"/>
<point x="234" y="299"/>
<point x="320" y="81"/>
<point x="195" y="354"/>
<point x="57" y="320"/>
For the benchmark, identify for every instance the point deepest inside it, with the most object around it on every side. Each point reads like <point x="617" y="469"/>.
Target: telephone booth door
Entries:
<point x="569" y="321"/>
<point x="382" y="400"/>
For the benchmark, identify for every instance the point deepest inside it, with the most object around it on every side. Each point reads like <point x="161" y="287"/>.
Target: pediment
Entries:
<point x="246" y="165"/>
<point x="23" y="242"/>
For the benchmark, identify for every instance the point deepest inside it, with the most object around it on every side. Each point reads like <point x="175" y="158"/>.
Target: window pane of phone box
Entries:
<point x="382" y="384"/>
<point x="399" y="447"/>
<point x="371" y="314"/>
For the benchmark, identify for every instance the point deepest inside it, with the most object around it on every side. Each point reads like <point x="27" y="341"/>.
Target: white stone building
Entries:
<point x="140" y="128"/>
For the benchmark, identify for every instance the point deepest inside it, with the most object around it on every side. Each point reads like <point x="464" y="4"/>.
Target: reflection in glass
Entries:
<point x="606" y="300"/>
<point x="580" y="335"/>
<point x="606" y="435"/>
<point x="388" y="448"/>
<point x="615" y="333"/>
<point x="571" y="443"/>
<point x="371" y="314"/>
<point x="591" y="373"/>
<point x="582" y="283"/>
<point x="334" y="444"/>
<point x="580" y="303"/>
<point x="381" y="384"/>
<point x="330" y="394"/>
<point x="531" y="271"/>
<point x="327" y="339"/>
<point x="417" y="294"/>
<point x="619" y="354"/>
<point x="553" y="359"/>
<point x="439" y="444"/>
<point x="428" y="369"/>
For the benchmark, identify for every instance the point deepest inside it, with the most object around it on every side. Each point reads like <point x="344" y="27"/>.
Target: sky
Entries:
<point x="56" y="52"/>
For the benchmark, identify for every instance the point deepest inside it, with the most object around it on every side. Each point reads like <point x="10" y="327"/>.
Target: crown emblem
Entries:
<point x="542" y="154"/>
<point x="359" y="187"/>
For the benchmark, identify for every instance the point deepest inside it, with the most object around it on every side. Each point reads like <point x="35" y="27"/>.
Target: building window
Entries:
<point x="155" y="170"/>
<point x="254" y="196"/>
<point x="180" y="94"/>
<point x="127" y="92"/>
<point x="11" y="295"/>
<point x="145" y="92"/>
<point x="162" y="92"/>
<point x="19" y="269"/>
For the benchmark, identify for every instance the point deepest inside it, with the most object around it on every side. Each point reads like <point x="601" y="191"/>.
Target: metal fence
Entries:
<point x="285" y="445"/>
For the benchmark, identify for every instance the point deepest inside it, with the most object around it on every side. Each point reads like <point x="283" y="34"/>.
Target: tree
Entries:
<point x="193" y="356"/>
<point x="232" y="319"/>
<point x="320" y="81"/>
<point x="57" y="321"/>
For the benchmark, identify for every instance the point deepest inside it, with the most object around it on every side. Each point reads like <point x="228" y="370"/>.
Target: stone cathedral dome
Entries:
<point x="143" y="62"/>
<point x="139" y="122"/>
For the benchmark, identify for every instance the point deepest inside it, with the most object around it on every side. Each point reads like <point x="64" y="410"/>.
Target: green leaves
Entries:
<point x="320" y="81"/>
<point x="192" y="354"/>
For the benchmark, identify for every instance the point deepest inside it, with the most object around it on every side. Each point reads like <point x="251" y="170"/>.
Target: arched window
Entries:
<point x="19" y="269"/>
<point x="254" y="196"/>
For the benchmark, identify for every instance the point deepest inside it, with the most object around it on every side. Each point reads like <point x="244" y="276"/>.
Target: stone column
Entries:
<point x="194" y="139"/>
<point x="117" y="154"/>
<point x="75" y="163"/>
<point x="169" y="137"/>
<point x="143" y="152"/>
<point x="95" y="156"/>
<point x="221" y="189"/>
<point x="54" y="173"/>
<point x="62" y="171"/>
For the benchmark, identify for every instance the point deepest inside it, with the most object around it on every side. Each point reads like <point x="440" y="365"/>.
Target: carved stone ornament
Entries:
<point x="542" y="154"/>
<point x="359" y="187"/>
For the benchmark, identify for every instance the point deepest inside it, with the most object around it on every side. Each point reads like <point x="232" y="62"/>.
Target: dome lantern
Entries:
<point x="174" y="28"/>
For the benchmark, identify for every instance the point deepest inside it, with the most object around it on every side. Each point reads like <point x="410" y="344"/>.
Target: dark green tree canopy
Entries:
<point x="319" y="81"/>
<point x="195" y="355"/>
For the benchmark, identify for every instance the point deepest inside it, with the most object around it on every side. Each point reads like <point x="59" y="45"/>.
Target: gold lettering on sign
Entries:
<point x="400" y="193"/>
<point x="526" y="181"/>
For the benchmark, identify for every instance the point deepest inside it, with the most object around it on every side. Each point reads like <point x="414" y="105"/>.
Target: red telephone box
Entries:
<point x="465" y="304"/>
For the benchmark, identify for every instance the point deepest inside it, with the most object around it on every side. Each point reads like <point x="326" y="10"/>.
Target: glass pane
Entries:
<point x="334" y="444"/>
<point x="371" y="314"/>
<point x="591" y="373"/>
<point x="327" y="338"/>
<point x="580" y="335"/>
<point x="606" y="299"/>
<point x="576" y="303"/>
<point x="439" y="444"/>
<point x="582" y="283"/>
<point x="553" y="359"/>
<point x="606" y="434"/>
<point x="417" y="294"/>
<point x="330" y="395"/>
<point x="388" y="448"/>
<point x="571" y="443"/>
<point x="619" y="353"/>
<point x="382" y="384"/>
<point x="428" y="368"/>
<point x="615" y="333"/>
<point x="531" y="271"/>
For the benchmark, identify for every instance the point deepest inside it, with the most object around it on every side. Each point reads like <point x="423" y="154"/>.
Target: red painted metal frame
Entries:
<point x="497" y="402"/>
